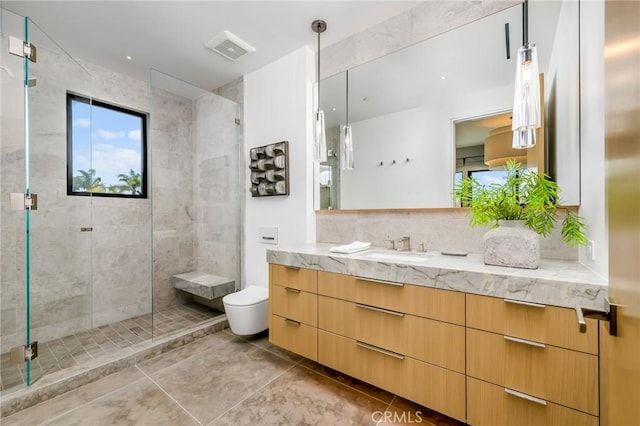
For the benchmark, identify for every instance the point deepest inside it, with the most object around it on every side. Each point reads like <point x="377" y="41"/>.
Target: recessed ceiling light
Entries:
<point x="365" y="99"/>
<point x="443" y="77"/>
<point x="128" y="58"/>
<point x="334" y="109"/>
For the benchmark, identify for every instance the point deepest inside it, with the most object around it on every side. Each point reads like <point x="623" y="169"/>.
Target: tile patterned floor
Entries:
<point x="86" y="346"/>
<point x="222" y="379"/>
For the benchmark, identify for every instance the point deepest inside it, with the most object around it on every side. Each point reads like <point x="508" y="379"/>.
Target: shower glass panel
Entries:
<point x="196" y="196"/>
<point x="46" y="261"/>
<point x="13" y="331"/>
<point x="60" y="251"/>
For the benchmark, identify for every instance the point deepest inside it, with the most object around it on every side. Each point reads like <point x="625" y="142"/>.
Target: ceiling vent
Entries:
<point x="229" y="46"/>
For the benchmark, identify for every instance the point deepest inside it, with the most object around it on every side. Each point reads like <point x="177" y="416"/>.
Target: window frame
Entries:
<point x="71" y="97"/>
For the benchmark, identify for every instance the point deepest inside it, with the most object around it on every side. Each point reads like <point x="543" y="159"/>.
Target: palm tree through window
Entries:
<point x="106" y="149"/>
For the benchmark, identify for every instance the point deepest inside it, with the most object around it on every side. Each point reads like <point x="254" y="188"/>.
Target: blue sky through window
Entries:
<point x="106" y="140"/>
<point x="488" y="177"/>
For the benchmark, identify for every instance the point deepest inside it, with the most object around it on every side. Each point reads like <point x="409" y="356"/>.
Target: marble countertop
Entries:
<point x="555" y="282"/>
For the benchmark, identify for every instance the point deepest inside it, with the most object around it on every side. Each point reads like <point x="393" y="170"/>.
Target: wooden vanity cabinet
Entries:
<point x="406" y="339"/>
<point x="479" y="359"/>
<point x="528" y="364"/>
<point x="293" y="309"/>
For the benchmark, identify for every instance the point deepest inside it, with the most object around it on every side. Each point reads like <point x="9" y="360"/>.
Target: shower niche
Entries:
<point x="269" y="165"/>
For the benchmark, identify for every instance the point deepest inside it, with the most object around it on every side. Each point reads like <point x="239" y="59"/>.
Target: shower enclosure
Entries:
<point x="86" y="270"/>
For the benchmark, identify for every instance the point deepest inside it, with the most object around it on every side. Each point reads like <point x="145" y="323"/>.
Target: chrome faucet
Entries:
<point x="406" y="244"/>
<point x="392" y="243"/>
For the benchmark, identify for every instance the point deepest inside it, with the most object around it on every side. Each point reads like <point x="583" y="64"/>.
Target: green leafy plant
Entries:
<point x="524" y="195"/>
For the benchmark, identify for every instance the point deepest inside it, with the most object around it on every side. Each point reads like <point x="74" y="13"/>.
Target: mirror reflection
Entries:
<point x="412" y="112"/>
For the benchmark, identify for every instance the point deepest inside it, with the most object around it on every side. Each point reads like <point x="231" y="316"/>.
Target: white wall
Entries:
<point x="397" y="136"/>
<point x="561" y="87"/>
<point x="278" y="103"/>
<point x="425" y="136"/>
<point x="592" y="155"/>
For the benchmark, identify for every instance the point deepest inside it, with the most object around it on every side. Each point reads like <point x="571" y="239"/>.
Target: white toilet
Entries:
<point x="247" y="310"/>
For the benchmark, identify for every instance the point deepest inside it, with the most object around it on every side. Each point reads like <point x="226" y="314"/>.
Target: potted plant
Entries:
<point x="524" y="206"/>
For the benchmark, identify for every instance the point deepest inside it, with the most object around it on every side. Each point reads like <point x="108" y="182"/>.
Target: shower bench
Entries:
<point x="207" y="289"/>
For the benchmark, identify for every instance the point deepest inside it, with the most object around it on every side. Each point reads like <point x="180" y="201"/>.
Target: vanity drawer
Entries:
<point x="563" y="376"/>
<point x="491" y="405"/>
<point x="545" y="324"/>
<point x="294" y="336"/>
<point x="427" y="340"/>
<point x="425" y="302"/>
<point x="294" y="304"/>
<point x="436" y="388"/>
<point x="298" y="278"/>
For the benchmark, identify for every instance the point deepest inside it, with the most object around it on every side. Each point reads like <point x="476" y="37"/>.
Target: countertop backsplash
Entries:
<point x="440" y="229"/>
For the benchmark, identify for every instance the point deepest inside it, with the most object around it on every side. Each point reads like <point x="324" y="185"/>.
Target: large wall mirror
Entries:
<point x="408" y="111"/>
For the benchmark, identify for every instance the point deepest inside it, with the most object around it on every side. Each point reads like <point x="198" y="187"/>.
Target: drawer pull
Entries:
<point x="371" y="280"/>
<point x="525" y="342"/>
<point x="292" y="290"/>
<point x="292" y="322"/>
<point x="525" y="396"/>
<point x="294" y="268"/>
<point x="384" y="311"/>
<point x="530" y="304"/>
<point x="379" y="350"/>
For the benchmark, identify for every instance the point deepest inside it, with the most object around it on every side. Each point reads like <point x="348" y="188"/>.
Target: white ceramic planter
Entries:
<point x="512" y="244"/>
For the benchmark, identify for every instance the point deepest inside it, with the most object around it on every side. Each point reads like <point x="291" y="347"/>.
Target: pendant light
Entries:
<point x="498" y="150"/>
<point x="320" y="142"/>
<point x="346" y="140"/>
<point x="526" y="98"/>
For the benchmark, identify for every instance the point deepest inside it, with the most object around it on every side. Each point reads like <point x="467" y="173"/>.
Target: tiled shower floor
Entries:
<point x="88" y="345"/>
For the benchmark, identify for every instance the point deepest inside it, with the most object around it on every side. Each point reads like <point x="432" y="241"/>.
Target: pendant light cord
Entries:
<point x="319" y="25"/>
<point x="525" y="22"/>
<point x="347" y="97"/>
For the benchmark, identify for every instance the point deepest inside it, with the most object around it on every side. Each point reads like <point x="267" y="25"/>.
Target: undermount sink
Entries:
<point x="398" y="256"/>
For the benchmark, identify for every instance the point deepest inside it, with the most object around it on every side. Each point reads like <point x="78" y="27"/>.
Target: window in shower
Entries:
<point x="106" y="149"/>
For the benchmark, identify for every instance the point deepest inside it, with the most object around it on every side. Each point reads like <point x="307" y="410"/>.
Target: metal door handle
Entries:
<point x="525" y="341"/>
<point x="522" y="302"/>
<point x="525" y="396"/>
<point x="292" y="290"/>
<point x="371" y="280"/>
<point x="608" y="314"/>
<point x="379" y="350"/>
<point x="384" y="311"/>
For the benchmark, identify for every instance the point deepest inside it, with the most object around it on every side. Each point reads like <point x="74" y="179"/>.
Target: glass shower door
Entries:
<point x="45" y="284"/>
<point x="58" y="236"/>
<point x="13" y="222"/>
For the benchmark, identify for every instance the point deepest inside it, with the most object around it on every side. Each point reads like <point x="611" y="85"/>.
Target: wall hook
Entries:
<point x="393" y="162"/>
<point x="407" y="160"/>
<point x="381" y="163"/>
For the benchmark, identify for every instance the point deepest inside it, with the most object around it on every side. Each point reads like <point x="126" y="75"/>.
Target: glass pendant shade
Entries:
<point x="320" y="151"/>
<point x="526" y="98"/>
<point x="524" y="138"/>
<point x="498" y="150"/>
<point x="346" y="148"/>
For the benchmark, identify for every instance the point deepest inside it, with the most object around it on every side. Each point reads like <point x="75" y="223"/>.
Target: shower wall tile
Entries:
<point x="233" y="91"/>
<point x="216" y="187"/>
<point x="11" y="222"/>
<point x="173" y="222"/>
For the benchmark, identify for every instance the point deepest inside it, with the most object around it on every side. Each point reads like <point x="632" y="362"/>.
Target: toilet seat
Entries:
<point x="250" y="296"/>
